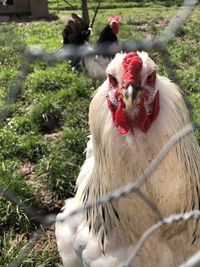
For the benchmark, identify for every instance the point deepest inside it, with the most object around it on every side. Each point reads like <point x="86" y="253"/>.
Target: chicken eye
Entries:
<point x="151" y="79"/>
<point x="113" y="81"/>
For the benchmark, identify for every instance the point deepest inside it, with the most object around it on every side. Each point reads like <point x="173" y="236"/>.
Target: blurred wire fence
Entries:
<point x="43" y="221"/>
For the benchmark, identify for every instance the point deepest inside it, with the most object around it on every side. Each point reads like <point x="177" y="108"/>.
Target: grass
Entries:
<point x="61" y="5"/>
<point x="43" y="139"/>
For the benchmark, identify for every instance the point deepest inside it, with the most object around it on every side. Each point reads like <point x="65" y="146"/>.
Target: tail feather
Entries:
<point x="76" y="31"/>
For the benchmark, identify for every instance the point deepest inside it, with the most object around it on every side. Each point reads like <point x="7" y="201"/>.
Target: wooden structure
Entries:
<point x="35" y="8"/>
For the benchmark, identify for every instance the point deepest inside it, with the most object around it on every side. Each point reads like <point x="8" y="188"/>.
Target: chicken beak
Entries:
<point x="131" y="95"/>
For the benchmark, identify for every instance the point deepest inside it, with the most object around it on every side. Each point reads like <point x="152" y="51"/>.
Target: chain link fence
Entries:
<point x="44" y="221"/>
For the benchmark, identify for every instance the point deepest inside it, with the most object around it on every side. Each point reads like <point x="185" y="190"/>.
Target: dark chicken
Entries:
<point x="77" y="32"/>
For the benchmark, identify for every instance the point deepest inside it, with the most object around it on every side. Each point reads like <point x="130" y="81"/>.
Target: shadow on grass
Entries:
<point x="25" y="18"/>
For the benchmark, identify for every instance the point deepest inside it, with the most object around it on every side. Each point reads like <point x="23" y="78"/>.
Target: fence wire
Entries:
<point x="43" y="221"/>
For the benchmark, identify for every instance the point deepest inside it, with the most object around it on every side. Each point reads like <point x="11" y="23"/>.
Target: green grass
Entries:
<point x="43" y="139"/>
<point x="61" y="5"/>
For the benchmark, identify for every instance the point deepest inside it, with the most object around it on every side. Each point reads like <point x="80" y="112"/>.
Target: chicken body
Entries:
<point x="95" y="66"/>
<point x="132" y="115"/>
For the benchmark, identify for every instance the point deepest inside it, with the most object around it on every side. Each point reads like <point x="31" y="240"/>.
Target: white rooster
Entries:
<point x="132" y="115"/>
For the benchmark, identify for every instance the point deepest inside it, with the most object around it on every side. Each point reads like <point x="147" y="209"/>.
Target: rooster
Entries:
<point x="132" y="115"/>
<point x="77" y="32"/>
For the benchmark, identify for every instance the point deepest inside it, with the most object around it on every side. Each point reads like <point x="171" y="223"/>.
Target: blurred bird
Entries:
<point x="77" y="32"/>
<point x="132" y="116"/>
<point x="110" y="31"/>
<point x="95" y="66"/>
<point x="3" y="2"/>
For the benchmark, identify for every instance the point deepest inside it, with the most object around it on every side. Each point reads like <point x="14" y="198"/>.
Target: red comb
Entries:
<point x="132" y="65"/>
<point x="116" y="19"/>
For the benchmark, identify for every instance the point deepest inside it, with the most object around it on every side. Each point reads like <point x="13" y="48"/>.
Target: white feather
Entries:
<point x="114" y="160"/>
<point x="95" y="66"/>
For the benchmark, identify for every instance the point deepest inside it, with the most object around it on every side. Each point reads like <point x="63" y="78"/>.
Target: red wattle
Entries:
<point x="121" y="120"/>
<point x="145" y="121"/>
<point x="119" y="117"/>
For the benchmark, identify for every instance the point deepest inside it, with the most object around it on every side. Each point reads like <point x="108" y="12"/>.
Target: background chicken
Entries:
<point x="132" y="115"/>
<point x="77" y="32"/>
